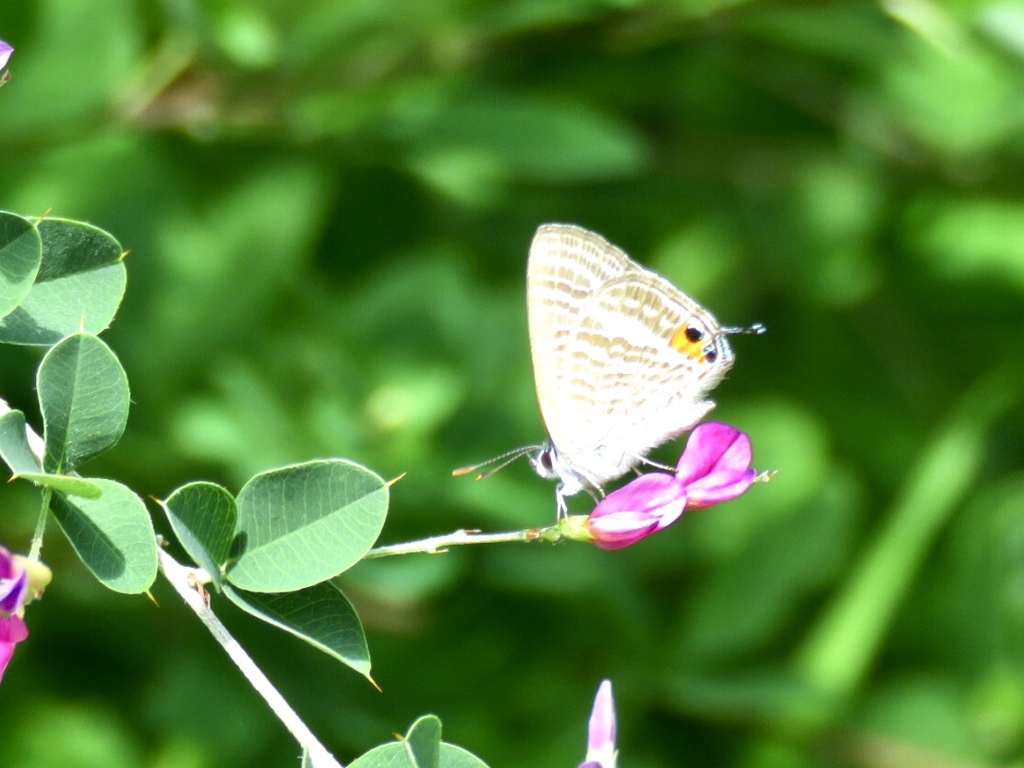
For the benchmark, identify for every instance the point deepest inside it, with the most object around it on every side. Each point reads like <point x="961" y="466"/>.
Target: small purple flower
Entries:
<point x="5" y="55"/>
<point x="601" y="737"/>
<point x="13" y="589"/>
<point x="714" y="467"/>
<point x="13" y="583"/>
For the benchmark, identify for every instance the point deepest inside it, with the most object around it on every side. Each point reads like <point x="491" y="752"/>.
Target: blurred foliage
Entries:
<point x="328" y="206"/>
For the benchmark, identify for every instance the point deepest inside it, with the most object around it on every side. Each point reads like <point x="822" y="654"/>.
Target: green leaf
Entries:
<point x="113" y="535"/>
<point x="14" y="447"/>
<point x="21" y="251"/>
<point x="424" y="742"/>
<point x="203" y="516"/>
<point x="79" y="286"/>
<point x="397" y="755"/>
<point x="421" y="748"/>
<point x="75" y="486"/>
<point x="83" y="395"/>
<point x="24" y="464"/>
<point x="321" y="615"/>
<point x="306" y="523"/>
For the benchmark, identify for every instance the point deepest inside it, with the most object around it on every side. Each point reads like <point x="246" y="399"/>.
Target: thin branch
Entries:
<point x="184" y="580"/>
<point x="438" y="544"/>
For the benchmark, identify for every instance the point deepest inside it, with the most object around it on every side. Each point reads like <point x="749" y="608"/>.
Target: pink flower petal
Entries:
<point x="713" y="447"/>
<point x="718" y="487"/>
<point x="12" y="592"/>
<point x="12" y="632"/>
<point x="601" y="735"/>
<point x="6" y="564"/>
<point x="13" y="583"/>
<point x="648" y="493"/>
<point x="602" y="719"/>
<point x="648" y="504"/>
<point x="620" y="529"/>
<point x="6" y="651"/>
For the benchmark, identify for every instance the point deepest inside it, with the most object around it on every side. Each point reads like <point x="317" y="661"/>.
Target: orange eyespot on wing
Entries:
<point x="690" y="341"/>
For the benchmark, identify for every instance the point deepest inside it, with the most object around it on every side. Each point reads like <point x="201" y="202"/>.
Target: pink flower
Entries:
<point x="13" y="588"/>
<point x="601" y="738"/>
<point x="714" y="467"/>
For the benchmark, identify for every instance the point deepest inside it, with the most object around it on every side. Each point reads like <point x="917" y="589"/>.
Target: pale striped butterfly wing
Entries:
<point x="622" y="359"/>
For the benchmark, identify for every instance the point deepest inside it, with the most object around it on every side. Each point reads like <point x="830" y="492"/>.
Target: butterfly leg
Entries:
<point x="562" y="511"/>
<point x="652" y="463"/>
<point x="563" y="508"/>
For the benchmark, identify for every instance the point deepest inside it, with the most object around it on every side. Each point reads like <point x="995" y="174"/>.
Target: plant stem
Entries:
<point x="37" y="535"/>
<point x="184" y="581"/>
<point x="437" y="544"/>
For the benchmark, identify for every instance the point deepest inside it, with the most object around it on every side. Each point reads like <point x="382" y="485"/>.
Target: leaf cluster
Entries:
<point x="272" y="550"/>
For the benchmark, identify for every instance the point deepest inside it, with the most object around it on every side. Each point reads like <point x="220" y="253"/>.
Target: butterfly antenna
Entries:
<point x="756" y="328"/>
<point x="504" y="460"/>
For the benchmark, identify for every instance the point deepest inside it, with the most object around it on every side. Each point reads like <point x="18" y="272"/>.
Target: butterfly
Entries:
<point x="622" y="359"/>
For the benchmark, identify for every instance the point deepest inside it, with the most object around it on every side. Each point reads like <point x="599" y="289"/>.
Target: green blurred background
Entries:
<point x="328" y="206"/>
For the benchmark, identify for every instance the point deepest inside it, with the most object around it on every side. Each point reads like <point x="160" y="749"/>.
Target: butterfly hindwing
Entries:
<point x="637" y="389"/>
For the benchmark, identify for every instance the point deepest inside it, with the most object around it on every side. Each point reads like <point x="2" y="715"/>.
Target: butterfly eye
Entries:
<point x="545" y="460"/>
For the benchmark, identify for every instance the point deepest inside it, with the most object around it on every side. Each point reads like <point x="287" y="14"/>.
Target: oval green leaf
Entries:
<point x="303" y="524"/>
<point x="321" y="615"/>
<point x="203" y="516"/>
<point x="421" y="748"/>
<point x="79" y="285"/>
<point x="113" y="535"/>
<point x="21" y="251"/>
<point x="83" y="395"/>
<point x="424" y="742"/>
<point x="14" y="447"/>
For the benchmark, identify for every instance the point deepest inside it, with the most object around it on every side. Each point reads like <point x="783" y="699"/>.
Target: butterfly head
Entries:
<point x="550" y="464"/>
<point x="705" y="343"/>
